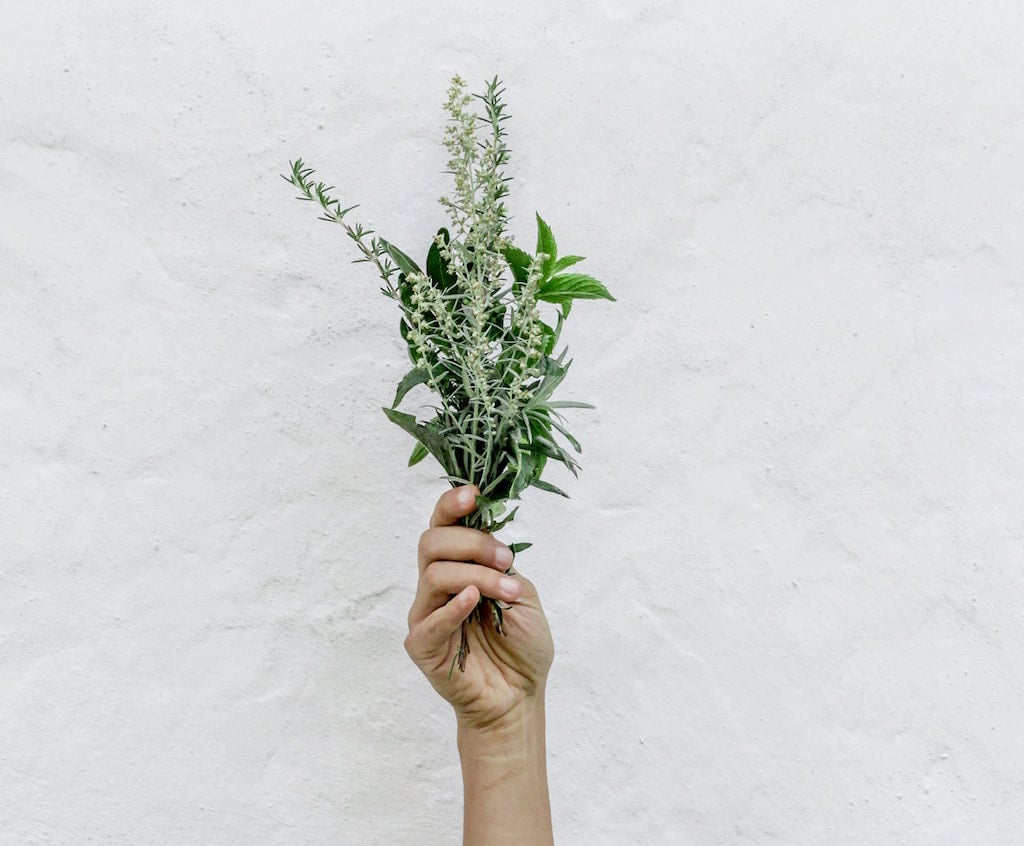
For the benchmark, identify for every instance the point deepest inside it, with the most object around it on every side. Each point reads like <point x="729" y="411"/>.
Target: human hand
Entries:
<point x="503" y="673"/>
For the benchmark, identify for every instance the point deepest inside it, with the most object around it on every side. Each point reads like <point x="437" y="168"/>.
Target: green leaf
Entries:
<point x="519" y="263"/>
<point x="546" y="244"/>
<point x="504" y="521"/>
<point x="545" y="447"/>
<point x="419" y="452"/>
<point x="437" y="269"/>
<point x="541" y="463"/>
<point x="405" y="290"/>
<point x="416" y="376"/>
<point x="575" y="443"/>
<point x="431" y="439"/>
<point x="569" y="404"/>
<point x="539" y="422"/>
<point x="527" y="468"/>
<point x="564" y="262"/>
<point x="554" y="373"/>
<point x="550" y="338"/>
<point x="547" y="486"/>
<point x="403" y="330"/>
<point x="496" y="322"/>
<point x="488" y="511"/>
<point x="403" y="261"/>
<point x="519" y="547"/>
<point x="569" y="286"/>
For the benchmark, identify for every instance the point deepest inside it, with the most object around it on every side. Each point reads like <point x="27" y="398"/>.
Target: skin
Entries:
<point x="499" y="699"/>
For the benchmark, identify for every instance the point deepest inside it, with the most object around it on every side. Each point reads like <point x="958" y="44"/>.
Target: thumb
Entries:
<point x="430" y="637"/>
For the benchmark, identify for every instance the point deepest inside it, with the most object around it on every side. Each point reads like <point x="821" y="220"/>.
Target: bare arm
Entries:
<point x="499" y="699"/>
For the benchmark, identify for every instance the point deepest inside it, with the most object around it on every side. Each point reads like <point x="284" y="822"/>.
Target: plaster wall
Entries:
<point x="787" y="591"/>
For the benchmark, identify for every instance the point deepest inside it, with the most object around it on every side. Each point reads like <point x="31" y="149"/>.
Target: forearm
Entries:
<point x="505" y="781"/>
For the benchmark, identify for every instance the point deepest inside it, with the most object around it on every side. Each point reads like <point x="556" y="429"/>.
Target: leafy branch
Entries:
<point x="476" y="337"/>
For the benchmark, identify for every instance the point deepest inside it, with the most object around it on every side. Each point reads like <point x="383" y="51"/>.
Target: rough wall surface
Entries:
<point x="787" y="591"/>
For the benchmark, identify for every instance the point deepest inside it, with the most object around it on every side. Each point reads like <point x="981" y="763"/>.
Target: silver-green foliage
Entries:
<point x="472" y="324"/>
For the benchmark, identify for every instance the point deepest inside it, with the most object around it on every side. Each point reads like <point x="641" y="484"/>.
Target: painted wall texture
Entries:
<point x="787" y="591"/>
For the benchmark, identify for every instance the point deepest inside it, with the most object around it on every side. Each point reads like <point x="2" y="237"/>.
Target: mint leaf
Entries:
<point x="572" y="286"/>
<point x="546" y="244"/>
<point x="564" y="262"/>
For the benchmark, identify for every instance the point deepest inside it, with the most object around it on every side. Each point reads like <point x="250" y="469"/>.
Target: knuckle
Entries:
<point x="431" y="577"/>
<point x="425" y="543"/>
<point x="485" y="548"/>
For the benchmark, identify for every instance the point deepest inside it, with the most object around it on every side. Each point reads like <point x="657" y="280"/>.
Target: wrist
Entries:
<point x="504" y="774"/>
<point x="521" y="727"/>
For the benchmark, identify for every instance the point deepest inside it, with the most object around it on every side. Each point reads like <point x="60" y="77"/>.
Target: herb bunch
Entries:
<point x="472" y="324"/>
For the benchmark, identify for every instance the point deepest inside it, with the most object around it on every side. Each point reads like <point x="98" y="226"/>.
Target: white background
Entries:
<point x="786" y="592"/>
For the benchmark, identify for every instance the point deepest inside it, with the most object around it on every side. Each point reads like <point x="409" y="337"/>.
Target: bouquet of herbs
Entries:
<point x="473" y="327"/>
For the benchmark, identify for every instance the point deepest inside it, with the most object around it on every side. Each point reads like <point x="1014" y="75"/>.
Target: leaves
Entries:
<point x="572" y="286"/>
<point x="403" y="261"/>
<point x="416" y="376"/>
<point x="519" y="263"/>
<point x="504" y="521"/>
<point x="569" y="404"/>
<point x="547" y="486"/>
<point x="527" y="470"/>
<point x="554" y="373"/>
<point x="564" y="262"/>
<point x="546" y="244"/>
<point x="434" y="442"/>
<point x="419" y="452"/>
<point x="437" y="269"/>
<point x="477" y="343"/>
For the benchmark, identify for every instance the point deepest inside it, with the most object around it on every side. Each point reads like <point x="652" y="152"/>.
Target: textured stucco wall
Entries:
<point x="787" y="592"/>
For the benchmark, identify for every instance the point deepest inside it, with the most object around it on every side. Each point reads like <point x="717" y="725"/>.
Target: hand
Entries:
<point x="503" y="673"/>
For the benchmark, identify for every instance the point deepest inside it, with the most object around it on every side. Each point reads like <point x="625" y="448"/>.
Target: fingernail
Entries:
<point x="503" y="556"/>
<point x="510" y="587"/>
<point x="465" y="497"/>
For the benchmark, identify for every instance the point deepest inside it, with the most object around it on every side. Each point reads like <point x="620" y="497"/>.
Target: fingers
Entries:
<point x="457" y="566"/>
<point x="432" y="635"/>
<point x="457" y="543"/>
<point x="443" y="579"/>
<point x="453" y="504"/>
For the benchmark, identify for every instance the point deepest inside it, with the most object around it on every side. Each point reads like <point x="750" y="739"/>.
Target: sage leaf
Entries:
<point x="406" y="264"/>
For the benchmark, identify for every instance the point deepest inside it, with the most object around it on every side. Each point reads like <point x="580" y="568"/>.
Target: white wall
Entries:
<point x="786" y="594"/>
